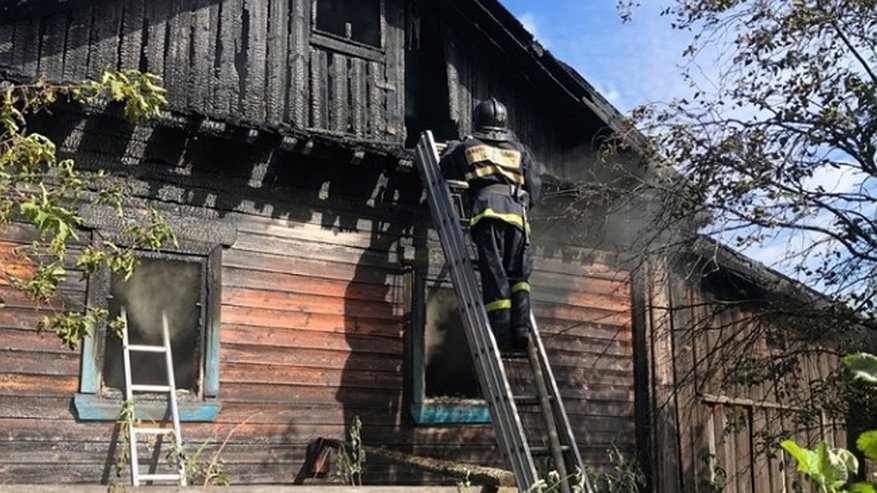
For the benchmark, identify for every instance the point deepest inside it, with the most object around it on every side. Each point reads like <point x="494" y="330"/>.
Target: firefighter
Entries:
<point x="503" y="185"/>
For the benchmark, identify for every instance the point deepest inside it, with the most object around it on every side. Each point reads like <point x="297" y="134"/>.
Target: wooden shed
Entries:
<point x="309" y="287"/>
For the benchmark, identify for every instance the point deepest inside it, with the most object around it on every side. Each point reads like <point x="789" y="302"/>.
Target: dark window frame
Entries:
<point x="345" y="44"/>
<point x="93" y="403"/>
<point x="434" y="411"/>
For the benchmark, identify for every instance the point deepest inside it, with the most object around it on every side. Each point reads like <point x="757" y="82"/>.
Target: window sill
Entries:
<point x="90" y="407"/>
<point x="446" y="413"/>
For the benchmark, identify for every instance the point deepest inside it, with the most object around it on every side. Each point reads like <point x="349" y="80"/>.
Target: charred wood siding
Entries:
<point x="314" y="313"/>
<point x="251" y="60"/>
<point x="475" y="73"/>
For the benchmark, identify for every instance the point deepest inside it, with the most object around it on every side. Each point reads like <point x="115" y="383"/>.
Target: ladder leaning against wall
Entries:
<point x="518" y="451"/>
<point x="135" y="431"/>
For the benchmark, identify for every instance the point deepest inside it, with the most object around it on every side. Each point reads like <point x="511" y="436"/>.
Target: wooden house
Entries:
<point x="308" y="288"/>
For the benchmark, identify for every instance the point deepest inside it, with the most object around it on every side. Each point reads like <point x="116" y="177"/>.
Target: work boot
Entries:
<point x="521" y="336"/>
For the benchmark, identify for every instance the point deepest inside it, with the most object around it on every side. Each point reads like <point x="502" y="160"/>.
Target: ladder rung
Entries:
<point x="543" y="451"/>
<point x="153" y="431"/>
<point x="146" y="349"/>
<point x="159" y="477"/>
<point x="514" y="354"/>
<point x="150" y="388"/>
<point x="529" y="399"/>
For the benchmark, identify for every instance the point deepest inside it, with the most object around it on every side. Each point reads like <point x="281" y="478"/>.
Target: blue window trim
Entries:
<point x="442" y="414"/>
<point x="425" y="411"/>
<point x="90" y="405"/>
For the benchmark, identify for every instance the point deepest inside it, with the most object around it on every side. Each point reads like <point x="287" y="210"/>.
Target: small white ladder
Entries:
<point x="135" y="431"/>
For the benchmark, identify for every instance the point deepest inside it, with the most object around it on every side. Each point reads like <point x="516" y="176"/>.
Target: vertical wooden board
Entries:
<point x="726" y="447"/>
<point x="464" y="102"/>
<point x="104" y="48"/>
<point x="132" y="34"/>
<point x="213" y="56"/>
<point x="297" y="86"/>
<point x="453" y="75"/>
<point x="203" y="50"/>
<point x="76" y="53"/>
<point x="157" y="15"/>
<point x="254" y="94"/>
<point x="690" y="449"/>
<point x="26" y="47"/>
<point x="338" y="103"/>
<point x="376" y="100"/>
<point x="178" y="63"/>
<point x="7" y="34"/>
<point x="52" y="51"/>
<point x="743" y="446"/>
<point x="227" y="90"/>
<point x="278" y="54"/>
<point x="774" y="456"/>
<point x="358" y="96"/>
<point x="394" y="46"/>
<point x="319" y="88"/>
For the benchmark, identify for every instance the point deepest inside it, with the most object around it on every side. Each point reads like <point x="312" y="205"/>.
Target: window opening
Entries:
<point x="170" y="285"/>
<point x="356" y="20"/>
<point x="447" y="361"/>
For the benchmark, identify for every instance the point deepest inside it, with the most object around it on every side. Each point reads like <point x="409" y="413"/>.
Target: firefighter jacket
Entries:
<point x="500" y="174"/>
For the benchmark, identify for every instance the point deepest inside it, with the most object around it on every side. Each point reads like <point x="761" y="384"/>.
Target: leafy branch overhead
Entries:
<point x="46" y="192"/>
<point x="779" y="144"/>
<point x="772" y="151"/>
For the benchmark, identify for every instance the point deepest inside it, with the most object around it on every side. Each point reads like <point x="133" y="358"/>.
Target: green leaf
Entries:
<point x="863" y="488"/>
<point x="805" y="458"/>
<point x="867" y="443"/>
<point x="863" y="366"/>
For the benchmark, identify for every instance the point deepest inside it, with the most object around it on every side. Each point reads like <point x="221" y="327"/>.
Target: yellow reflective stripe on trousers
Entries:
<point x="493" y="169"/>
<point x="498" y="305"/>
<point x="521" y="286"/>
<point x="513" y="219"/>
<point x="505" y="157"/>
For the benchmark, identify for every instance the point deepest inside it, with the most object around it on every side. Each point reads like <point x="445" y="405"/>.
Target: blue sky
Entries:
<point x="639" y="62"/>
<point x="629" y="63"/>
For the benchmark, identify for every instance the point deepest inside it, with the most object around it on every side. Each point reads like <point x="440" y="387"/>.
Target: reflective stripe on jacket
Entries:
<point x="483" y="163"/>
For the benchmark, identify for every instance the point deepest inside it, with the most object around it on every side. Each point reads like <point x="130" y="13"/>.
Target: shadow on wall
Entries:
<point x="227" y="178"/>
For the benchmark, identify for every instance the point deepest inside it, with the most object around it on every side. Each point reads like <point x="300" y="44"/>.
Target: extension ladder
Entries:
<point x="134" y="430"/>
<point x="488" y="362"/>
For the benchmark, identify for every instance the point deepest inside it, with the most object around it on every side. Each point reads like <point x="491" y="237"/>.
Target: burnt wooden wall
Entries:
<point x="250" y="60"/>
<point x="315" y="305"/>
<point x="707" y="426"/>
<point x="316" y="288"/>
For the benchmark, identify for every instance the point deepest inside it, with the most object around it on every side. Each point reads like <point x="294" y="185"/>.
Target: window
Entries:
<point x="353" y="20"/>
<point x="445" y="384"/>
<point x="172" y="287"/>
<point x="186" y="288"/>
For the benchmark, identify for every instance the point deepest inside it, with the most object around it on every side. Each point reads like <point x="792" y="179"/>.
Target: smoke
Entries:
<point x="605" y="202"/>
<point x="158" y="286"/>
<point x="447" y="361"/>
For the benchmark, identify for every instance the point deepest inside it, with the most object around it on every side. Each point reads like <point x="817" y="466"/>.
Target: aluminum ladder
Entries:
<point x="134" y="430"/>
<point x="488" y="363"/>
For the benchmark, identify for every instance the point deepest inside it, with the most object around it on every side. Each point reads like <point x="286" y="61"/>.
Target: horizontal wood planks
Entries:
<point x="249" y="60"/>
<point x="315" y="314"/>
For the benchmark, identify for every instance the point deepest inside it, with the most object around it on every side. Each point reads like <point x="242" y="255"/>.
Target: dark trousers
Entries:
<point x="505" y="263"/>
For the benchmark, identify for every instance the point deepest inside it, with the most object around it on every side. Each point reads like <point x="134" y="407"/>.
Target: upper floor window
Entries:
<point x="355" y="20"/>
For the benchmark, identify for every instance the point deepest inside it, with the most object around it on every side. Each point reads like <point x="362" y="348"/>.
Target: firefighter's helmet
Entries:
<point x="490" y="114"/>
